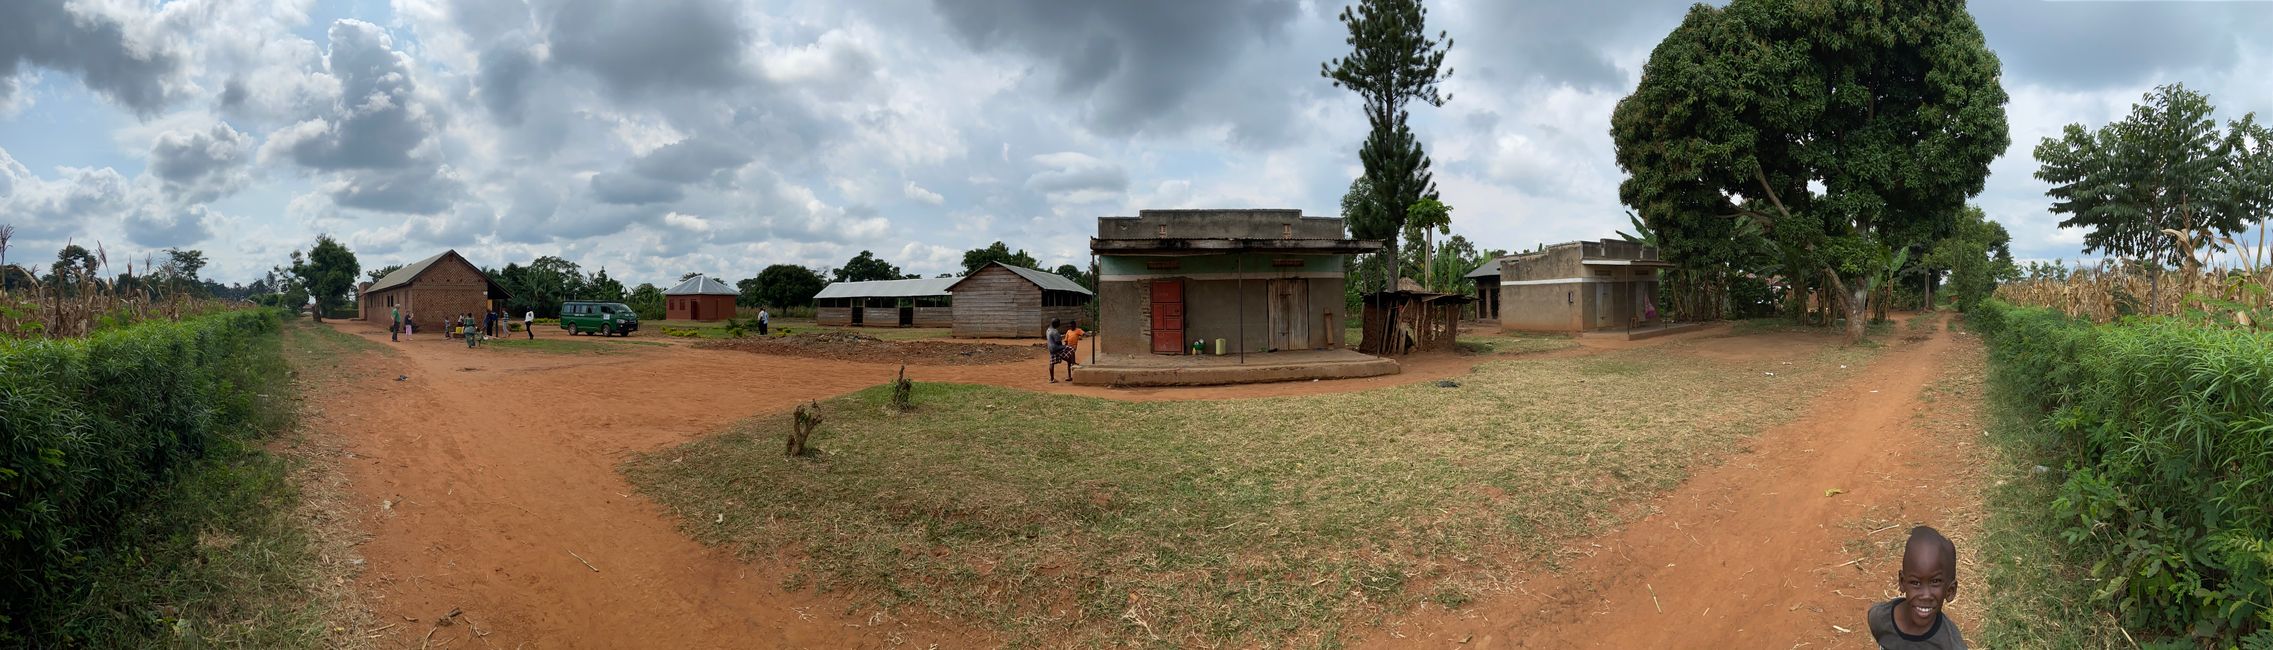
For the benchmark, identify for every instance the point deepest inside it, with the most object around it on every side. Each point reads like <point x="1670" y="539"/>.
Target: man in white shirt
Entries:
<point x="761" y="321"/>
<point x="529" y="324"/>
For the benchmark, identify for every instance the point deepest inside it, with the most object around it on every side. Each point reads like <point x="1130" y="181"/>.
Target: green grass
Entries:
<point x="2038" y="595"/>
<point x="219" y="556"/>
<point x="1515" y="343"/>
<point x="1062" y="520"/>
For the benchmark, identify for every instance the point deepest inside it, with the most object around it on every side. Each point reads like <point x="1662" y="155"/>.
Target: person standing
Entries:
<point x="1056" y="340"/>
<point x="410" y="328"/>
<point x="761" y="321"/>
<point x="529" y="324"/>
<point x="489" y="323"/>
<point x="1073" y="335"/>
<point x="395" y="331"/>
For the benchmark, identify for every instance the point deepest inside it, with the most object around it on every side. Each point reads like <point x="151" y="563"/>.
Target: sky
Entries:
<point x="655" y="138"/>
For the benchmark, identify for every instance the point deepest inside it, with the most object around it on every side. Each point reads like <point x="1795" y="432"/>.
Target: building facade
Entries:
<point x="431" y="291"/>
<point x="700" y="298"/>
<point x="922" y="302"/>
<point x="1258" y="280"/>
<point x="1004" y="301"/>
<point x="1579" y="287"/>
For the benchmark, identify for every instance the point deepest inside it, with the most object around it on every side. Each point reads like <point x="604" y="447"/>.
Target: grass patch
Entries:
<point x="1071" y="520"/>
<point x="1515" y="343"/>
<point x="221" y="555"/>
<point x="2038" y="593"/>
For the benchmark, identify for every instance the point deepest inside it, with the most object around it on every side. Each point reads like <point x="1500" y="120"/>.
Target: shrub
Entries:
<point x="2164" y="428"/>
<point x="88" y="427"/>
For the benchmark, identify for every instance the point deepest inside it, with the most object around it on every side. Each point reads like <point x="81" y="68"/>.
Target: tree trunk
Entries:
<point x="1856" y="295"/>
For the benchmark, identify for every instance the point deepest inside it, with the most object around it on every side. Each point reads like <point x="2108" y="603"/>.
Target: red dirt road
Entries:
<point x="1751" y="553"/>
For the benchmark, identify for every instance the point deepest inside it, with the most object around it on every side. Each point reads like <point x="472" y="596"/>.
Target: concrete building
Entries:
<point x="432" y="290"/>
<point x="1004" y="301"/>
<point x="700" y="298"/>
<point x="921" y="302"/>
<point x="1260" y="280"/>
<point x="1580" y="287"/>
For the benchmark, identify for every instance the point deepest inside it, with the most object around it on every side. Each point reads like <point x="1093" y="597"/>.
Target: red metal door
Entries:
<point x="1168" y="316"/>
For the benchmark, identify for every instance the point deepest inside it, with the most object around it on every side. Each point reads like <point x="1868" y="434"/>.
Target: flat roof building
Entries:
<point x="922" y="302"/>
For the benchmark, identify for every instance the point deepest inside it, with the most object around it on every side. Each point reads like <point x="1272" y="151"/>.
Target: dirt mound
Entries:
<point x="847" y="346"/>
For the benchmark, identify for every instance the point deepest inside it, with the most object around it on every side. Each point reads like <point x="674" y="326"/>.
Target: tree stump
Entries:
<point x="802" y="423"/>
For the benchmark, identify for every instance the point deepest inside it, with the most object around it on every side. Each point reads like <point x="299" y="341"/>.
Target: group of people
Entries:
<point x="1063" y="344"/>
<point x="403" y="326"/>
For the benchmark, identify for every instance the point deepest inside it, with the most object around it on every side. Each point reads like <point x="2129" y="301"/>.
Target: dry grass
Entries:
<point x="82" y="303"/>
<point x="2233" y="288"/>
<point x="1065" y="520"/>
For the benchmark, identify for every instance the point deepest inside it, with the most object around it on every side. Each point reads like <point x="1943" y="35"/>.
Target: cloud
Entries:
<point x="1075" y="177"/>
<point x="169" y="228"/>
<point x="918" y="194"/>
<point x="1132" y="63"/>
<point x="201" y="165"/>
<point x="377" y="136"/>
<point x="639" y="46"/>
<point x="81" y="39"/>
<point x="44" y="209"/>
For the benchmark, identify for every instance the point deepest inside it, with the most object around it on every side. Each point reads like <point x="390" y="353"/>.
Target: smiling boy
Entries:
<point x="1928" y="581"/>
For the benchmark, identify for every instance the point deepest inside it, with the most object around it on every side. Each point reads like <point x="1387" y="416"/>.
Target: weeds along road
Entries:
<point x="1756" y="552"/>
<point x="487" y="483"/>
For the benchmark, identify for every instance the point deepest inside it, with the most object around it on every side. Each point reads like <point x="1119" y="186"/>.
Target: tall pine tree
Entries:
<point x="1392" y="62"/>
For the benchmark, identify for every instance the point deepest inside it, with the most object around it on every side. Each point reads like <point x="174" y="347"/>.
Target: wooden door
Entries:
<point x="1168" y="316"/>
<point x="1290" y="314"/>
<point x="1603" y="307"/>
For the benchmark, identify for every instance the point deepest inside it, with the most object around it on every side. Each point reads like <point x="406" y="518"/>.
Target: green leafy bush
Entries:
<point x="88" y="427"/>
<point x="2164" y="430"/>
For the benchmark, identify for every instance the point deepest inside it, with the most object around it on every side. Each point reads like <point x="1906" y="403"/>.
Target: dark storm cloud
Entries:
<point x="1134" y="61"/>
<point x="47" y="33"/>
<point x="2094" y="45"/>
<point x="639" y="46"/>
<point x="200" y="166"/>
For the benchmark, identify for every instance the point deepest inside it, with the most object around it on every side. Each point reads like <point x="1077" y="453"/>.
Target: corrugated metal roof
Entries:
<point x="702" y="285"/>
<point x="1044" y="279"/>
<point x="404" y="275"/>
<point x="1489" y="269"/>
<point x="916" y="288"/>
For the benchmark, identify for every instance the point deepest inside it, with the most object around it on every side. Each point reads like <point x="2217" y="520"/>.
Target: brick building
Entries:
<point x="432" y="290"/>
<point x="700" y="298"/>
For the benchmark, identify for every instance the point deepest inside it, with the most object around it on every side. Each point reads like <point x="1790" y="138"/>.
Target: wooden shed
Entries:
<point x="432" y="290"/>
<point x="1004" y="301"/>
<point x="1425" y="321"/>
<point x="700" y="298"/>
<point x="921" y="302"/>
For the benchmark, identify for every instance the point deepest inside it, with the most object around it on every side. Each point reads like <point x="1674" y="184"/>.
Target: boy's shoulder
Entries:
<point x="1943" y="636"/>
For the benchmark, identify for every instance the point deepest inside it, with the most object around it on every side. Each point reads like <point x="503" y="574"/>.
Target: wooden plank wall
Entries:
<point x="996" y="303"/>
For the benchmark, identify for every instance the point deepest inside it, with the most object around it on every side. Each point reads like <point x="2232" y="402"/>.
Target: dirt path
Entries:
<point x="487" y="482"/>
<point x="1752" y="553"/>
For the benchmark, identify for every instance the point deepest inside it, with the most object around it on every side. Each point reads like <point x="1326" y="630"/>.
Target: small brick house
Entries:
<point x="700" y="298"/>
<point x="432" y="290"/>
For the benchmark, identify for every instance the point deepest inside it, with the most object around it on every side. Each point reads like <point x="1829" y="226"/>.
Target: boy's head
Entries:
<point x="1053" y="323"/>
<point x="1928" y="578"/>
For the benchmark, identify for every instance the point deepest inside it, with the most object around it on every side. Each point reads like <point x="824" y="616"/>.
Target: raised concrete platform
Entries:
<point x="1209" y="370"/>
<point x="1640" y="333"/>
